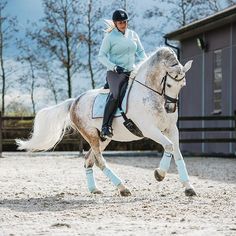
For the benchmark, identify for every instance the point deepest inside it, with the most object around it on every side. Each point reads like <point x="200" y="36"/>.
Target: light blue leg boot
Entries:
<point x="183" y="173"/>
<point x="111" y="176"/>
<point x="124" y="191"/>
<point x="90" y="180"/>
<point x="165" y="161"/>
<point x="184" y="178"/>
<point x="164" y="166"/>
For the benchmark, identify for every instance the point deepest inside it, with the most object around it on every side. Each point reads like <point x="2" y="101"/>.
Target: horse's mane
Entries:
<point x="161" y="53"/>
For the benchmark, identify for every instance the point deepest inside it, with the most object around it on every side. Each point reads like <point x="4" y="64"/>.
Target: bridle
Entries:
<point x="163" y="91"/>
<point x="168" y="98"/>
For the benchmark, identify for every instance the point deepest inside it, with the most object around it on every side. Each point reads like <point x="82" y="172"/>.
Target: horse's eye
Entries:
<point x="174" y="65"/>
<point x="168" y="85"/>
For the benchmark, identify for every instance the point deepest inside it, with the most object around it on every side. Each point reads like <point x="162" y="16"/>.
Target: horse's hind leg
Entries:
<point x="94" y="155"/>
<point x="98" y="147"/>
<point x="88" y="165"/>
<point x="91" y="135"/>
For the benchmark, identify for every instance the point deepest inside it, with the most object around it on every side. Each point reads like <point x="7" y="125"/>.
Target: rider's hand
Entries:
<point x="119" y="69"/>
<point x="106" y="85"/>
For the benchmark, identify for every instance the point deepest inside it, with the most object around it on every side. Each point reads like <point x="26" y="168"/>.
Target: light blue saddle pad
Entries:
<point x="99" y="105"/>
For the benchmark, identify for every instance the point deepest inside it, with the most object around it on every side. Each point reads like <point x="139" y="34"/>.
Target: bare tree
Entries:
<point x="216" y="5"/>
<point x="125" y="5"/>
<point x="39" y="72"/>
<point x="29" y="57"/>
<point x="46" y="71"/>
<point x="91" y="34"/>
<point x="186" y="11"/>
<point x="7" y="30"/>
<point x="59" y="35"/>
<point x="30" y="60"/>
<point x="89" y="42"/>
<point x="231" y="2"/>
<point x="172" y="14"/>
<point x="183" y="12"/>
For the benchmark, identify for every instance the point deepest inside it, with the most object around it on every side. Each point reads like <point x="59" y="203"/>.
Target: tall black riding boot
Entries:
<point x="110" y="109"/>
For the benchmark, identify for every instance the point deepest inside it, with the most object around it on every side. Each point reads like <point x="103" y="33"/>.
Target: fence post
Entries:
<point x="235" y="125"/>
<point x="81" y="146"/>
<point x="1" y="134"/>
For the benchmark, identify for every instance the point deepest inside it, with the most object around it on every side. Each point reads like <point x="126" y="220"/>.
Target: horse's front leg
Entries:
<point x="156" y="135"/>
<point x="183" y="173"/>
<point x="164" y="166"/>
<point x="173" y="134"/>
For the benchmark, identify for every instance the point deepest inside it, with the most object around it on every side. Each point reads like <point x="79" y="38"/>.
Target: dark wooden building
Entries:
<point x="211" y="82"/>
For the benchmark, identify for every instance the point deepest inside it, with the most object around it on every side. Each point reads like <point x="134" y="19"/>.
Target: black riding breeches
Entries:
<point x="117" y="84"/>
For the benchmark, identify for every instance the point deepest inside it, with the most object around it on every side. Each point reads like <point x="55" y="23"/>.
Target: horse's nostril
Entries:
<point x="170" y="107"/>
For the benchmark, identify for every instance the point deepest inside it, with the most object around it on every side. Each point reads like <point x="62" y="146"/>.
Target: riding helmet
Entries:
<point x="120" y="15"/>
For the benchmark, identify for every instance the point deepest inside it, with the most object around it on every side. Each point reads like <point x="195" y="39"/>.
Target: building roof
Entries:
<point x="221" y="18"/>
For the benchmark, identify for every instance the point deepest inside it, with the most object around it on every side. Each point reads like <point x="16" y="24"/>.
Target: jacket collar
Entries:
<point x="125" y="34"/>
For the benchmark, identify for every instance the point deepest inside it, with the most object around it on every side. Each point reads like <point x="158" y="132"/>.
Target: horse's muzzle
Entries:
<point x="170" y="107"/>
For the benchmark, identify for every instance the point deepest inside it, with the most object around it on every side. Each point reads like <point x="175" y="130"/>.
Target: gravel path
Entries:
<point x="47" y="195"/>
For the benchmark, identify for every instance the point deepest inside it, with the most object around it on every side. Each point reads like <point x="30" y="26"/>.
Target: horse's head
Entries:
<point x="174" y="78"/>
<point x="173" y="81"/>
<point x="165" y="76"/>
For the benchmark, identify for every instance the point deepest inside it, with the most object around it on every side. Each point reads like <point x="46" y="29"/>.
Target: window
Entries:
<point x="217" y="82"/>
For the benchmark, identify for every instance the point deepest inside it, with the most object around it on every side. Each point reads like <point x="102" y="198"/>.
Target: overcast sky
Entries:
<point x="25" y="9"/>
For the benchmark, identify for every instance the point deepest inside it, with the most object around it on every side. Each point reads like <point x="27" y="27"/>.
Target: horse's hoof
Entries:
<point x="158" y="177"/>
<point x="190" y="192"/>
<point x="125" y="192"/>
<point x="97" y="191"/>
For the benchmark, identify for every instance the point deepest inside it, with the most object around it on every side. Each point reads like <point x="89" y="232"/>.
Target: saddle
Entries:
<point x="99" y="106"/>
<point x="100" y="102"/>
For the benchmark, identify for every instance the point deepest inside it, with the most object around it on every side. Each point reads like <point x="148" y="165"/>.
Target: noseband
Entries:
<point x="163" y="92"/>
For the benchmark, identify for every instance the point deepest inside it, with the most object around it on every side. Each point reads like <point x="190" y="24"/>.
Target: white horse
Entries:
<point x="152" y="102"/>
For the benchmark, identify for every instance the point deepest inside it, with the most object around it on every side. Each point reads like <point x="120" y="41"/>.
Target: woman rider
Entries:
<point x="118" y="50"/>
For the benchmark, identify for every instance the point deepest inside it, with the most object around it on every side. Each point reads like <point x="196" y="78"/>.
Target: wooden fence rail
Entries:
<point x="21" y="126"/>
<point x="208" y="125"/>
<point x="12" y="127"/>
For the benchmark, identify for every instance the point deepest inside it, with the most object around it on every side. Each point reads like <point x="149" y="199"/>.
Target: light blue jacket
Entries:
<point x="119" y="49"/>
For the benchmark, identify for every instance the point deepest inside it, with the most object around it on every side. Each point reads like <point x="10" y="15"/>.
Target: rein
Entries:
<point x="172" y="100"/>
<point x="163" y="79"/>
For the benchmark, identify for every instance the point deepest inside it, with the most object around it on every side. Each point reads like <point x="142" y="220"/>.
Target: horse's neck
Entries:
<point x="150" y="77"/>
<point x="149" y="101"/>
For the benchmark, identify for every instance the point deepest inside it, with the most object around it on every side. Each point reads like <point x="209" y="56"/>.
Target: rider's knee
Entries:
<point x="114" y="97"/>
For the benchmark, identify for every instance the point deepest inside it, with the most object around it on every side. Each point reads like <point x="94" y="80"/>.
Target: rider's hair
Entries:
<point x="110" y="25"/>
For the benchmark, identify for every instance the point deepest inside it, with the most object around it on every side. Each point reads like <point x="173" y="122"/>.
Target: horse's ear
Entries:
<point x="187" y="66"/>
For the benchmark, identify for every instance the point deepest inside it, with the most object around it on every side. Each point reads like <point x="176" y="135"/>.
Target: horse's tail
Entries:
<point x="49" y="128"/>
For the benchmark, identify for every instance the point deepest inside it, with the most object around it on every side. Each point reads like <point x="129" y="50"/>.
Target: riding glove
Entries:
<point x="106" y="85"/>
<point x="119" y="69"/>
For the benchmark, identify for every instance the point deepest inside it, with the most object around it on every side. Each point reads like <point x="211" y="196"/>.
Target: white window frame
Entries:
<point x="217" y="102"/>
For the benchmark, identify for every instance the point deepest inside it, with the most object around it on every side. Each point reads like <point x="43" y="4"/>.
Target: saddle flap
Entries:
<point x="100" y="102"/>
